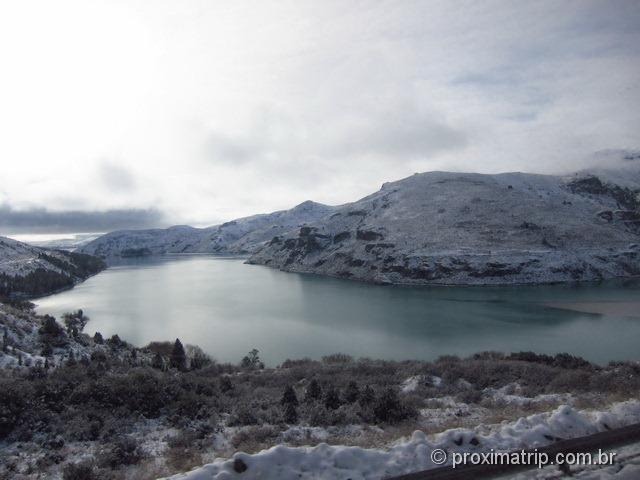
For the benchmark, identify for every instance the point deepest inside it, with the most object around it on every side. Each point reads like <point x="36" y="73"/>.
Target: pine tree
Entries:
<point x="47" y="351"/>
<point x="98" y="339"/>
<point x="314" y="392"/>
<point x="290" y="414"/>
<point x="114" y="342"/>
<point x="5" y="340"/>
<point x="225" y="384"/>
<point x="46" y="364"/>
<point x="178" y="356"/>
<point x="75" y="322"/>
<point x="20" y="359"/>
<point x="352" y="392"/>
<point x="252" y="360"/>
<point x="158" y="362"/>
<point x="331" y="398"/>
<point x="72" y="359"/>
<point x="388" y="407"/>
<point x="289" y="397"/>
<point x="367" y="396"/>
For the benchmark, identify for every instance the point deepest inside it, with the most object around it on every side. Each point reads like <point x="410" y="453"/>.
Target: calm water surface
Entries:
<point x="228" y="308"/>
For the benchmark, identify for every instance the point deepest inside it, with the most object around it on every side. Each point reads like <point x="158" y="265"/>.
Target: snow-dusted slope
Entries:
<point x="467" y="228"/>
<point x="240" y="236"/>
<point x="28" y="270"/>
<point x="342" y="462"/>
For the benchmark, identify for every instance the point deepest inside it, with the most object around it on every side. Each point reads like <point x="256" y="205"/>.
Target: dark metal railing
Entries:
<point x="603" y="440"/>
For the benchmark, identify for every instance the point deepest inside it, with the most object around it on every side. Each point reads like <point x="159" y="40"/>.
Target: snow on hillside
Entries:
<point x="467" y="228"/>
<point x="239" y="236"/>
<point x="23" y="333"/>
<point x="17" y="258"/>
<point x="342" y="462"/>
<point x="29" y="270"/>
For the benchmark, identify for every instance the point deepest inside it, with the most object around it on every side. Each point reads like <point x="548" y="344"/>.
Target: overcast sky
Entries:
<point x="153" y="112"/>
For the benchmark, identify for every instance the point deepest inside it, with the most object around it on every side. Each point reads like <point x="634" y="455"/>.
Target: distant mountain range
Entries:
<point x="435" y="228"/>
<point x="29" y="271"/>
<point x="238" y="237"/>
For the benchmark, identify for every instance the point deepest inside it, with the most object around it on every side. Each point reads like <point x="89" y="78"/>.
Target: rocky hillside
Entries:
<point x="28" y="271"/>
<point x="465" y="228"/>
<point x="240" y="236"/>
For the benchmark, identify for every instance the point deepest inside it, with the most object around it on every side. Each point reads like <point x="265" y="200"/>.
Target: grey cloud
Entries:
<point x="224" y="148"/>
<point x="397" y="133"/>
<point x="400" y="136"/>
<point x="116" y="177"/>
<point x="41" y="220"/>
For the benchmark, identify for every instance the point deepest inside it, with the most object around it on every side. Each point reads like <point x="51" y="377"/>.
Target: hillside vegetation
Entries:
<point x="28" y="271"/>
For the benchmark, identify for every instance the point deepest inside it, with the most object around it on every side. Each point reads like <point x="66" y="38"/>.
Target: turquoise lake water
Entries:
<point x="228" y="308"/>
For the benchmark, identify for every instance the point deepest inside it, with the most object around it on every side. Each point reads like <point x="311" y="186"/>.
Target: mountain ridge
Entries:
<point x="28" y="271"/>
<point x="471" y="228"/>
<point x="239" y="236"/>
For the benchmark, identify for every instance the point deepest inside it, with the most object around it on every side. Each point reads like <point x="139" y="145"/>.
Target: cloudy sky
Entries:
<point x="122" y="113"/>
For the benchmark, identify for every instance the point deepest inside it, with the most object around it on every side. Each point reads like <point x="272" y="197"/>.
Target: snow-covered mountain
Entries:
<point x="26" y="270"/>
<point x="239" y="236"/>
<point x="468" y="228"/>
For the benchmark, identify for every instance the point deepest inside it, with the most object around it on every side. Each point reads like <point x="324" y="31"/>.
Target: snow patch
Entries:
<point x="339" y="462"/>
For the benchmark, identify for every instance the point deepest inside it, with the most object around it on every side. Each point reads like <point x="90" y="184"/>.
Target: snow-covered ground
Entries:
<point x="414" y="454"/>
<point x="358" y="448"/>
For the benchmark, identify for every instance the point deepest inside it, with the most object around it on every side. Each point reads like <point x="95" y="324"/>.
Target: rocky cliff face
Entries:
<point x="29" y="271"/>
<point x="241" y="236"/>
<point x="462" y="228"/>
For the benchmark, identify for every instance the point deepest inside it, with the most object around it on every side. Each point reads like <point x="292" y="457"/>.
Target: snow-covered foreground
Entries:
<point x="342" y="462"/>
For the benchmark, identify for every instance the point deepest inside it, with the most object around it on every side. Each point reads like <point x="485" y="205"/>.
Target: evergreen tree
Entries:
<point x="225" y="384"/>
<point x="289" y="397"/>
<point x="331" y="398"/>
<point x="114" y="342"/>
<point x="367" y="396"/>
<point x="50" y="327"/>
<point x="5" y="340"/>
<point x="47" y="351"/>
<point x="72" y="358"/>
<point x="97" y="338"/>
<point x="352" y="392"/>
<point x="197" y="358"/>
<point x="388" y="407"/>
<point x="178" y="356"/>
<point x="20" y="359"/>
<point x="252" y="360"/>
<point x="158" y="362"/>
<point x="313" y="392"/>
<point x="46" y="364"/>
<point x="290" y="414"/>
<point x="75" y="322"/>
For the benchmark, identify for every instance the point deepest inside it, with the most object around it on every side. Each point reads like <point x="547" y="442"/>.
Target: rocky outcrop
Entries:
<point x="463" y="228"/>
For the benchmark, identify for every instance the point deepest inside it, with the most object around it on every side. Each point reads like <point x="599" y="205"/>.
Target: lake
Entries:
<point x="228" y="308"/>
